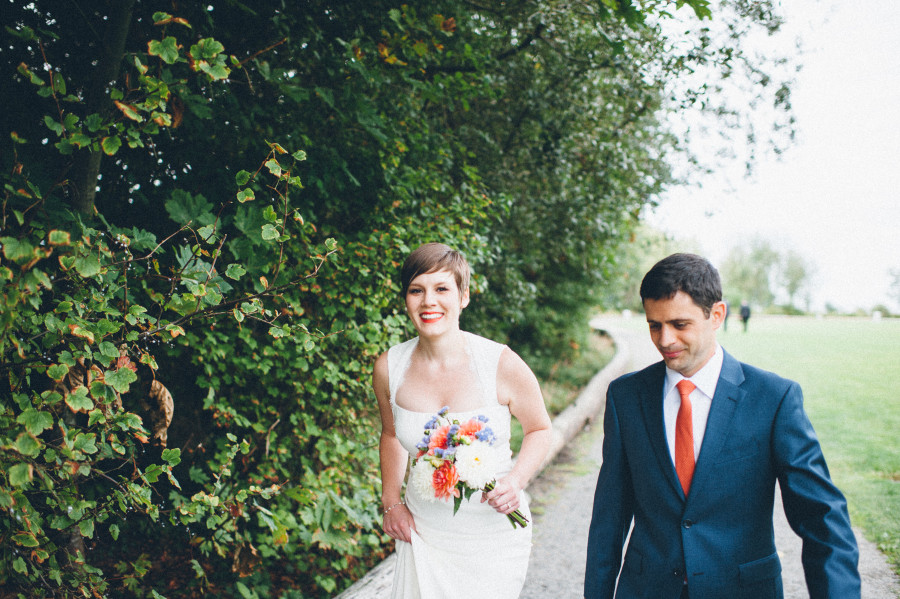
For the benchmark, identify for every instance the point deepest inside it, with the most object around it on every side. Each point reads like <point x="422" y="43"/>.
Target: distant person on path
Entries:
<point x="476" y="551"/>
<point x="692" y="448"/>
<point x="745" y="314"/>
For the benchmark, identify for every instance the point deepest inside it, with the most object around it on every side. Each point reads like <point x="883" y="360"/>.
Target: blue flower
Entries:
<point x="443" y="411"/>
<point x="486" y="435"/>
<point x="431" y="424"/>
<point x="454" y="428"/>
<point x="482" y="418"/>
<point x="438" y="452"/>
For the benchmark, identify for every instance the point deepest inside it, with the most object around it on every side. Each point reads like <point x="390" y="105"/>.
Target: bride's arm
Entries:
<point x="518" y="388"/>
<point x="398" y="521"/>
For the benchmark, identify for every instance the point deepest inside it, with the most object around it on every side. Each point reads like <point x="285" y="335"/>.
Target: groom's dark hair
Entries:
<point x="690" y="273"/>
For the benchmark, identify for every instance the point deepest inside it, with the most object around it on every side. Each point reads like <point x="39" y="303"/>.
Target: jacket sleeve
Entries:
<point x="612" y="512"/>
<point x="815" y="508"/>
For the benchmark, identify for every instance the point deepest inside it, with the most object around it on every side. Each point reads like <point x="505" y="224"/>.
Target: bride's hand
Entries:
<point x="398" y="523"/>
<point x="504" y="497"/>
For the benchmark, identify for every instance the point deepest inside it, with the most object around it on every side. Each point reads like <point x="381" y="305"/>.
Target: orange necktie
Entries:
<point x="684" y="437"/>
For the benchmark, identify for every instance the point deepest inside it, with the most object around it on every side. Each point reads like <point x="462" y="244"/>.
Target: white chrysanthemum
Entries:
<point x="476" y="464"/>
<point x="421" y="480"/>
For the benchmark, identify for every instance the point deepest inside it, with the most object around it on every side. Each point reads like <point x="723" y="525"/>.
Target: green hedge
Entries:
<point x="200" y="249"/>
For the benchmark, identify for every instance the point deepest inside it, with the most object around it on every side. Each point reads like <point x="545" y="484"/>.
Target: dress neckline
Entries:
<point x="484" y="356"/>
<point x="466" y="412"/>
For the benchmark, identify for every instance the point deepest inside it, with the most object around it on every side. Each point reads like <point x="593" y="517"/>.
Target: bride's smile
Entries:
<point x="434" y="302"/>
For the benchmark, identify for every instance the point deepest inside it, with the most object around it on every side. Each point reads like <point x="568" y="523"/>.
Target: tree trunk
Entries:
<point x="87" y="162"/>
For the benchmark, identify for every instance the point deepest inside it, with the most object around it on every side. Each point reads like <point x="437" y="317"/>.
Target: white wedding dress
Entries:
<point x="476" y="553"/>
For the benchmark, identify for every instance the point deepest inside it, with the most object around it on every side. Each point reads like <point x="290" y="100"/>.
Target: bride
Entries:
<point x="476" y="551"/>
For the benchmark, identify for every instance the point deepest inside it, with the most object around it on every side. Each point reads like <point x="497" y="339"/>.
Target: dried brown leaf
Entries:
<point x="161" y="407"/>
<point x="245" y="560"/>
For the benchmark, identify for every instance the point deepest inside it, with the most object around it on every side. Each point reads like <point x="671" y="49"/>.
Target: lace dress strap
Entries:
<point x="399" y="357"/>
<point x="485" y="355"/>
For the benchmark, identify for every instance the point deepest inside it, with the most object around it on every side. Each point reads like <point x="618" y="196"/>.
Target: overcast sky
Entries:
<point x="834" y="196"/>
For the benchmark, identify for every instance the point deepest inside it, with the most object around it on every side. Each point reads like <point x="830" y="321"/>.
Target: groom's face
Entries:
<point x="682" y="332"/>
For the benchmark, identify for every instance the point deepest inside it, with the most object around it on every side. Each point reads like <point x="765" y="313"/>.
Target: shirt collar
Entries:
<point x="705" y="379"/>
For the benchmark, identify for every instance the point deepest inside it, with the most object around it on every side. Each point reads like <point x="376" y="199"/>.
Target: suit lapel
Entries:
<point x="728" y="396"/>
<point x="651" y="395"/>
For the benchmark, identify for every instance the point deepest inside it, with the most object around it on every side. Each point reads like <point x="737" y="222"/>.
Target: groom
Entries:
<point x="703" y="529"/>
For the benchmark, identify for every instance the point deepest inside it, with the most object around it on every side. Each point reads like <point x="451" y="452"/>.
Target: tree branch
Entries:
<point x="218" y="307"/>
<point x="521" y="46"/>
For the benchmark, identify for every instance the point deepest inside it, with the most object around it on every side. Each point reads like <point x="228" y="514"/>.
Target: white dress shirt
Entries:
<point x="705" y="380"/>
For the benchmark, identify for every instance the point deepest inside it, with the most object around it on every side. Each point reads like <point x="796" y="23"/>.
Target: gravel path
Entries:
<point x="561" y="503"/>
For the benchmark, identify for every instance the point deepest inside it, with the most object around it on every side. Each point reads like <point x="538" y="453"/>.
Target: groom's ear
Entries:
<point x="717" y="313"/>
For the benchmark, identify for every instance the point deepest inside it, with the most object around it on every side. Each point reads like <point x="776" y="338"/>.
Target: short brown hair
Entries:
<point x="690" y="273"/>
<point x="432" y="257"/>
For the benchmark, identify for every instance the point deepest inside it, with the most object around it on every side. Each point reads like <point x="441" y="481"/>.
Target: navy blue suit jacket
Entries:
<point x="720" y="538"/>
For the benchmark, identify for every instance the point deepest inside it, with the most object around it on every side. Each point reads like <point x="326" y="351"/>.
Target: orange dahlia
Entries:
<point x="439" y="438"/>
<point x="444" y="480"/>
<point x="468" y="429"/>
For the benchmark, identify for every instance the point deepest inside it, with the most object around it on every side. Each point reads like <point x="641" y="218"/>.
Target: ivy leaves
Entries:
<point x="35" y="421"/>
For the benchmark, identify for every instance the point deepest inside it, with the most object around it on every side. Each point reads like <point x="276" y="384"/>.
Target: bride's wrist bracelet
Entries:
<point x="387" y="509"/>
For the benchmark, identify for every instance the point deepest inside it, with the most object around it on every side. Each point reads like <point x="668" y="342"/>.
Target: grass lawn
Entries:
<point x="848" y="369"/>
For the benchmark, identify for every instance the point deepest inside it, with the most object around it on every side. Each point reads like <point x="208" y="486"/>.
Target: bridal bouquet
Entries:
<point x="456" y="460"/>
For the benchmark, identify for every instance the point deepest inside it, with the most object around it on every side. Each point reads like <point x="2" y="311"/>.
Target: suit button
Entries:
<point x="678" y="573"/>
<point x="687" y="523"/>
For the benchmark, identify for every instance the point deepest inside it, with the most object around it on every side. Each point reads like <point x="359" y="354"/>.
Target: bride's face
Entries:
<point x="434" y="302"/>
